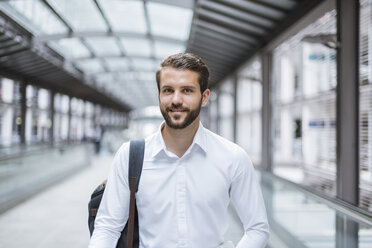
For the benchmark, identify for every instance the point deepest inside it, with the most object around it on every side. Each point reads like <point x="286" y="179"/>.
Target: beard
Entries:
<point x="191" y="115"/>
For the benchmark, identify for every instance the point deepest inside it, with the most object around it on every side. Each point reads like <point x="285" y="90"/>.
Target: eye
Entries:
<point x="188" y="90"/>
<point x="167" y="90"/>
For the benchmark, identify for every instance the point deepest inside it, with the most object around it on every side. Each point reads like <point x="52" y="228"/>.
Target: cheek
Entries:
<point x="163" y="100"/>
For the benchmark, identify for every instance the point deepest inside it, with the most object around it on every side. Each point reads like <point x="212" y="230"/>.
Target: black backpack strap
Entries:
<point x="136" y="154"/>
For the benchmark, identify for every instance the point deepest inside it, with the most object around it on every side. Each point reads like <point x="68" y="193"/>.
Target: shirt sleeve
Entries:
<point x="247" y="199"/>
<point x="114" y="208"/>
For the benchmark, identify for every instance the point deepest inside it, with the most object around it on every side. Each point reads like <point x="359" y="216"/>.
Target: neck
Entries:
<point x="179" y="140"/>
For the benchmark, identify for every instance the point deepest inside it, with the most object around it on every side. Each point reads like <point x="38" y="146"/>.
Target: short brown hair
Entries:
<point x="187" y="61"/>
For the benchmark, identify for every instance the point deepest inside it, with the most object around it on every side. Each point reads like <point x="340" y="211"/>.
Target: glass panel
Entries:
<point x="304" y="108"/>
<point x="125" y="15"/>
<point x="137" y="46"/>
<point x="249" y="97"/>
<point x="83" y="15"/>
<point x="297" y="219"/>
<point x="164" y="49"/>
<point x="70" y="48"/>
<point x="143" y="64"/>
<point x="103" y="46"/>
<point x="146" y="76"/>
<point x="169" y="21"/>
<point x="90" y="65"/>
<point x="117" y="64"/>
<point x="225" y="109"/>
<point x="365" y="106"/>
<point x="34" y="16"/>
<point x="105" y="77"/>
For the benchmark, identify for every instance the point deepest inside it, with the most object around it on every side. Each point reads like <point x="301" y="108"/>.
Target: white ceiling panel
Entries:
<point x="135" y="46"/>
<point x="169" y="20"/>
<point x="125" y="15"/>
<point x="82" y="15"/>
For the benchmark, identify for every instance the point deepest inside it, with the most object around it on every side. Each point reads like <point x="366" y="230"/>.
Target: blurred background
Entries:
<point x="290" y="83"/>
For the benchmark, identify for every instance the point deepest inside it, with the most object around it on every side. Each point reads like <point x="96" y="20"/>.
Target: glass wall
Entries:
<point x="213" y="111"/>
<point x="226" y="109"/>
<point x="365" y="106"/>
<point x="249" y="104"/>
<point x="304" y="106"/>
<point x="10" y="113"/>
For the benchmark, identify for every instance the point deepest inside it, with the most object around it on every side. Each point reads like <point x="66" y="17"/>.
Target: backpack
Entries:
<point x="130" y="233"/>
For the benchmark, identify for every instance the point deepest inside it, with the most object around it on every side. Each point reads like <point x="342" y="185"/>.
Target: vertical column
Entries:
<point x="69" y="120"/>
<point x="235" y="111"/>
<point x="266" y="150"/>
<point x="346" y="232"/>
<point x="51" y="117"/>
<point x="348" y="101"/>
<point x="23" y="86"/>
<point x="218" y="131"/>
<point x="83" y="119"/>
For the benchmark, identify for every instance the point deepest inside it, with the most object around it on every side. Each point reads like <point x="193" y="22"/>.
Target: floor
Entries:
<point x="57" y="217"/>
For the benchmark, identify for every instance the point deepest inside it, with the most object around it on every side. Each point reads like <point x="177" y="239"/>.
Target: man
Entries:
<point x="189" y="175"/>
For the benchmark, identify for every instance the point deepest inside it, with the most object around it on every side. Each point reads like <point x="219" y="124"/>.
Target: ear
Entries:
<point x="205" y="97"/>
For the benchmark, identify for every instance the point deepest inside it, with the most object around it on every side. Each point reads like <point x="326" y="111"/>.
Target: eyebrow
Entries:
<point x="188" y="87"/>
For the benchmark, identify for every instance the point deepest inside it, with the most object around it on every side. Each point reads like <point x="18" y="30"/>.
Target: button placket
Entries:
<point x="181" y="205"/>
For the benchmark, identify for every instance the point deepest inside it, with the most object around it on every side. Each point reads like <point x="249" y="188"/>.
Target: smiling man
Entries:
<point x="189" y="176"/>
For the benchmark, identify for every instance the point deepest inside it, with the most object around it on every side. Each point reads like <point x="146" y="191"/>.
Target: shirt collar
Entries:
<point x="159" y="144"/>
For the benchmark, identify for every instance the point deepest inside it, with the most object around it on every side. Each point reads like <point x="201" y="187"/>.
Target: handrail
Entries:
<point x="335" y="203"/>
<point x="44" y="148"/>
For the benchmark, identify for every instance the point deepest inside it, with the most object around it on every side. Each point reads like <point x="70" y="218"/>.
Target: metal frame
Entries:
<point x="347" y="134"/>
<point x="267" y="148"/>
<point x="235" y="110"/>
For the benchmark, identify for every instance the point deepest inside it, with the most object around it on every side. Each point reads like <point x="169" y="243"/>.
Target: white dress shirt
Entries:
<point x="182" y="202"/>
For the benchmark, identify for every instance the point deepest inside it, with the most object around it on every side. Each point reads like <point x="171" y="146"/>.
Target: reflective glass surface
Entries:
<point x="34" y="15"/>
<point x="82" y="15"/>
<point x="103" y="46"/>
<point x="70" y="48"/>
<point x="298" y="219"/>
<point x="135" y="46"/>
<point x="90" y="65"/>
<point x="169" y="20"/>
<point x="163" y="49"/>
<point x="117" y="64"/>
<point x="125" y="15"/>
<point x="143" y="64"/>
<point x="24" y="174"/>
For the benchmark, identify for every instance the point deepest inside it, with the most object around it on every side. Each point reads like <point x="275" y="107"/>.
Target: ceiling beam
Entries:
<point x="215" y="49"/>
<point x="230" y="23"/>
<point x="223" y="30"/>
<point x="90" y="34"/>
<point x="112" y="56"/>
<point x="238" y="14"/>
<point x="201" y="38"/>
<point x="254" y="9"/>
<point x="109" y="27"/>
<point x="70" y="30"/>
<point x="283" y="7"/>
<point x="148" y="24"/>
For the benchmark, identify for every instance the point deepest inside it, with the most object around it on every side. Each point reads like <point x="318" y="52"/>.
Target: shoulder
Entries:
<point x="122" y="153"/>
<point x="221" y="144"/>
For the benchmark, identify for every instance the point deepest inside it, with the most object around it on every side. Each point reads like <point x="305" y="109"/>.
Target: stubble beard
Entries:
<point x="192" y="114"/>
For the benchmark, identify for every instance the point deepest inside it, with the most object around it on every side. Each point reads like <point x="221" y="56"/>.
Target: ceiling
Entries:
<point x="110" y="49"/>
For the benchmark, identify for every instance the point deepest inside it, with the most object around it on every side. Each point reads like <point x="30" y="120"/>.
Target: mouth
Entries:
<point x="177" y="110"/>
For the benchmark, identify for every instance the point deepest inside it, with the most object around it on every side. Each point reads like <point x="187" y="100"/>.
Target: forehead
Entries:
<point x="178" y="77"/>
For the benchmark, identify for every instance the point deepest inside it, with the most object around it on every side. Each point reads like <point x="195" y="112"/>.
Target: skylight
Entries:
<point x="35" y="16"/>
<point x="134" y="46"/>
<point x="169" y="20"/>
<point x="125" y="15"/>
<point x="83" y="15"/>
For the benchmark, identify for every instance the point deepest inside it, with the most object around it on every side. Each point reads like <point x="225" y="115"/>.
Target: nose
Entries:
<point x="177" y="98"/>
